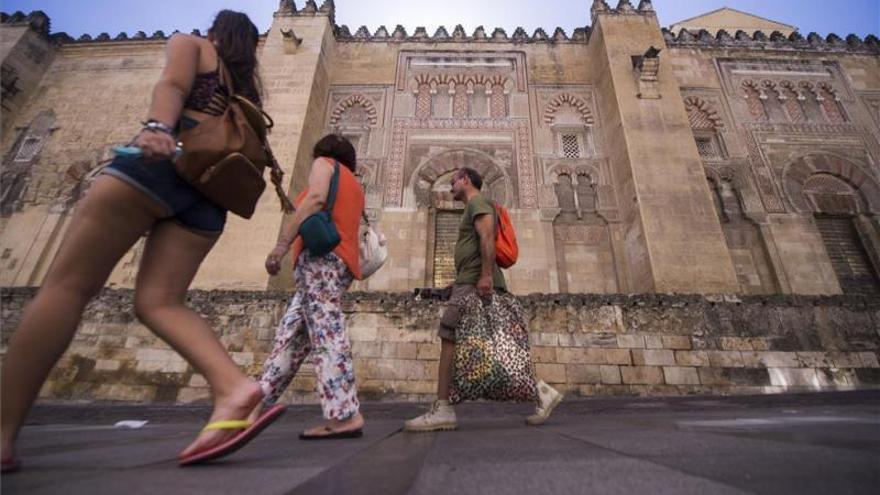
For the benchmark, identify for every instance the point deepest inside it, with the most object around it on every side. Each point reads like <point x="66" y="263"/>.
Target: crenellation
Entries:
<point x="420" y="34"/>
<point x="758" y="40"/>
<point x="834" y="40"/>
<point x="286" y="8"/>
<point x="459" y="34"/>
<point x="499" y="34"/>
<point x="581" y="34"/>
<point x="722" y="36"/>
<point x="520" y="35"/>
<point x="815" y="40"/>
<point x="342" y="32"/>
<point x="441" y="34"/>
<point x="559" y="35"/>
<point x="310" y="8"/>
<point x="706" y="37"/>
<point x="362" y="34"/>
<point x="625" y="7"/>
<point x="399" y="33"/>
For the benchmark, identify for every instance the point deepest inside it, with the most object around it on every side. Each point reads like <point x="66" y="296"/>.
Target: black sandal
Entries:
<point x="333" y="435"/>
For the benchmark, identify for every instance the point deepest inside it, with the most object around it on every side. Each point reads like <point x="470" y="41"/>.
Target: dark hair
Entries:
<point x="236" y="37"/>
<point x="337" y="147"/>
<point x="473" y="176"/>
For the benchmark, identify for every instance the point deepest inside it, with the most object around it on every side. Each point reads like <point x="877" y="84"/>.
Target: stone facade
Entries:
<point x="633" y="159"/>
<point x="584" y="344"/>
<point x="742" y="163"/>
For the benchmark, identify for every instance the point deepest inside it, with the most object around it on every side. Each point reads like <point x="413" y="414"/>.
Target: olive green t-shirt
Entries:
<point x="468" y="264"/>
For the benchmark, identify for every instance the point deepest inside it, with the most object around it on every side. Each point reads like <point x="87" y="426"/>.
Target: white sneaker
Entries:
<point x="441" y="416"/>
<point x="550" y="398"/>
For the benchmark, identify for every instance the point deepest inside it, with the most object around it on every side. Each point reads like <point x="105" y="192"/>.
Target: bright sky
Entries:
<point x="93" y="17"/>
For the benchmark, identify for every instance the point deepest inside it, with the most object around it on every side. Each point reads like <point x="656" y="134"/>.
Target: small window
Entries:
<point x="571" y="146"/>
<point x="706" y="147"/>
<point x="28" y="150"/>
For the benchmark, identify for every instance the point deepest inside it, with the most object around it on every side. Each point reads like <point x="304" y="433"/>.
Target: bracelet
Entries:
<point x="156" y="126"/>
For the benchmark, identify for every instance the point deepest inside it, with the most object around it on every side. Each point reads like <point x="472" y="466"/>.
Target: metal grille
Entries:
<point x="445" y="235"/>
<point x="571" y="148"/>
<point x="848" y="256"/>
<point x="706" y="147"/>
<point x="498" y="103"/>
<point x="28" y="149"/>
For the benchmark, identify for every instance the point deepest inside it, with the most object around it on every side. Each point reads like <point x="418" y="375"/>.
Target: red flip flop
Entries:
<point x="249" y="431"/>
<point x="9" y="465"/>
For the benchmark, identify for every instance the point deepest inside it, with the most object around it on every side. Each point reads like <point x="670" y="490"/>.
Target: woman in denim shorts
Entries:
<point x="143" y="195"/>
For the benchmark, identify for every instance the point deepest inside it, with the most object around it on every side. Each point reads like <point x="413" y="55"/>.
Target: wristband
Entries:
<point x="156" y="126"/>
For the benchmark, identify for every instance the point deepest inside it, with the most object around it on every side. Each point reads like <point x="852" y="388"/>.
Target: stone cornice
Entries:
<point x="775" y="41"/>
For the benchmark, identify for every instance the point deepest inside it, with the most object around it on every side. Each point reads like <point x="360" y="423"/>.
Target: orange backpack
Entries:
<point x="506" y="248"/>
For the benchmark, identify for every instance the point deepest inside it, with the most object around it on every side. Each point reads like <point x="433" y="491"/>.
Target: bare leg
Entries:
<point x="171" y="259"/>
<point x="444" y="372"/>
<point x="107" y="222"/>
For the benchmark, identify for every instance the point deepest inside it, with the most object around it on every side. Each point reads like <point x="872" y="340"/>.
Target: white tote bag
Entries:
<point x="373" y="250"/>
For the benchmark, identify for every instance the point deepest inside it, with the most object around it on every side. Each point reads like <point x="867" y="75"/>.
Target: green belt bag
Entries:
<point x="318" y="232"/>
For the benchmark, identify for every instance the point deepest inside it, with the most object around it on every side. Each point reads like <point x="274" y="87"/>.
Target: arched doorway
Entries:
<point x="843" y="201"/>
<point x="433" y="190"/>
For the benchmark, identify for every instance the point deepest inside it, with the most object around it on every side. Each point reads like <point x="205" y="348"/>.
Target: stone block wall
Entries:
<point x="585" y="344"/>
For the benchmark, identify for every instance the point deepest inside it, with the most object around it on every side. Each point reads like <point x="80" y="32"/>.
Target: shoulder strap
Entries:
<point x="334" y="187"/>
<point x="225" y="77"/>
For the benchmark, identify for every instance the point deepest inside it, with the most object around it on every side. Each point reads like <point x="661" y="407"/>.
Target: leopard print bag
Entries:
<point x="492" y="359"/>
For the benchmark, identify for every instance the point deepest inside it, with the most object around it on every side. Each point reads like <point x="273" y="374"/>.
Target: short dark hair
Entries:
<point x="473" y="176"/>
<point x="338" y="148"/>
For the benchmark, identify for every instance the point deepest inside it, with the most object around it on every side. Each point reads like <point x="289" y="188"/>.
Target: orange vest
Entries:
<point x="347" y="217"/>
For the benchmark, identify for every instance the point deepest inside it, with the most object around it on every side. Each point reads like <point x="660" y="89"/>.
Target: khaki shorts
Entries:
<point x="452" y="314"/>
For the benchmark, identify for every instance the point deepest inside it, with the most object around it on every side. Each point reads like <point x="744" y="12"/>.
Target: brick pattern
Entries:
<point x="586" y="345"/>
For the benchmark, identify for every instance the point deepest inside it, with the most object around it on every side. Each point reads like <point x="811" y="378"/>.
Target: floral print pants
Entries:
<point x="314" y="324"/>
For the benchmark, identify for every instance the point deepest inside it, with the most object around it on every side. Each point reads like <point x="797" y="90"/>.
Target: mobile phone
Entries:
<point x="135" y="151"/>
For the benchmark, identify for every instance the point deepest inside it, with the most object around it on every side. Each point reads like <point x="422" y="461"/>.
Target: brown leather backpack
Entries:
<point x="224" y="156"/>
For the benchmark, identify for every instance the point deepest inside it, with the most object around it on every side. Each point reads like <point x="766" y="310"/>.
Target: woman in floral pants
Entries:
<point x="314" y="323"/>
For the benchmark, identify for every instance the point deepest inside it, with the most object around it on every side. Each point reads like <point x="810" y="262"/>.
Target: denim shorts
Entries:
<point x="183" y="203"/>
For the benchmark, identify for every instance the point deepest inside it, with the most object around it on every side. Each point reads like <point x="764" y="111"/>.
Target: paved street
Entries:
<point x="799" y="444"/>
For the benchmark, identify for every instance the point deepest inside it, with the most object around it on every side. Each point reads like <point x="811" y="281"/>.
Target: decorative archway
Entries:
<point x="568" y="99"/>
<point x="496" y="184"/>
<point x="371" y="115"/>
<point x="798" y="172"/>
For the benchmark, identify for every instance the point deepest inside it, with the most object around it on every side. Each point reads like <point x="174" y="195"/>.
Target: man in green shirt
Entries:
<point x="475" y="270"/>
